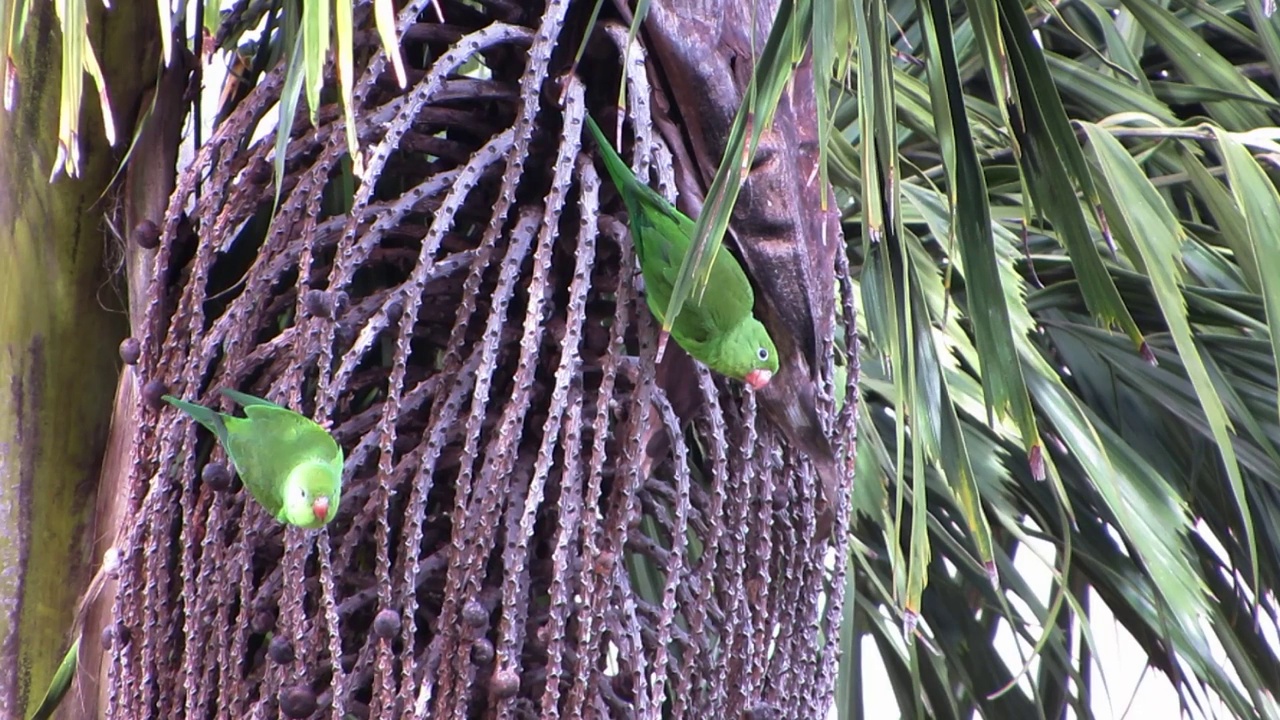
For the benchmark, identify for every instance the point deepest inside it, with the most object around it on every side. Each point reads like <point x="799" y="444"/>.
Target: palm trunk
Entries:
<point x="61" y="321"/>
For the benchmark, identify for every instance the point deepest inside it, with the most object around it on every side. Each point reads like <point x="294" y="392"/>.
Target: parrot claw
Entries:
<point x="662" y="344"/>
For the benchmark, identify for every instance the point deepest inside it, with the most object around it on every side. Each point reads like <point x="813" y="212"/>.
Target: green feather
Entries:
<point x="288" y="463"/>
<point x="247" y="400"/>
<point x="718" y="329"/>
<point x="203" y="415"/>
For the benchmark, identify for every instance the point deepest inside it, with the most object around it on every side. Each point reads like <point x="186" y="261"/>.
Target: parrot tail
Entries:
<point x="617" y="168"/>
<point x="202" y="415"/>
<point x="247" y="400"/>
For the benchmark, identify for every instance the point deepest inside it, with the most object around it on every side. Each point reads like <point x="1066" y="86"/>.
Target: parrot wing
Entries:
<point x="270" y="443"/>
<point x="211" y="419"/>
<point x="662" y="242"/>
<point x="662" y="236"/>
<point x="728" y="296"/>
<point x="247" y="400"/>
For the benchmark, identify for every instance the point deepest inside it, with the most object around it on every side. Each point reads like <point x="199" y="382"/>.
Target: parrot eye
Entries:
<point x="763" y="354"/>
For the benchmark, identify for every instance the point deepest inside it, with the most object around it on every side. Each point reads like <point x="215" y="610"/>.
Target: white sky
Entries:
<point x="1131" y="690"/>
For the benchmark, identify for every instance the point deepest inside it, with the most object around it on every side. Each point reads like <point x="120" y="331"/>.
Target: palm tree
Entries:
<point x="1058" y="226"/>
<point x="63" y="319"/>
<point x="1119" y="226"/>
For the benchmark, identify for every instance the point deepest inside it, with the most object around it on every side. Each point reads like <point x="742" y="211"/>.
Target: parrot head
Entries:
<point x="748" y="353"/>
<point x="311" y="495"/>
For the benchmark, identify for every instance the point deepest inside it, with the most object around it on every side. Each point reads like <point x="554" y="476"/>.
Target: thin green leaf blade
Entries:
<point x="1259" y="202"/>
<point x="315" y="47"/>
<point x="164" y="14"/>
<point x="293" y="80"/>
<point x="769" y="78"/>
<point x="59" y="685"/>
<point x="384" y="16"/>
<point x="1201" y="64"/>
<point x="1051" y="159"/>
<point x="343" y="25"/>
<point x="1142" y="221"/>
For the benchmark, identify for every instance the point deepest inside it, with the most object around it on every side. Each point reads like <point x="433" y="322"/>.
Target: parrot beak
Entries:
<point x="758" y="378"/>
<point x="321" y="507"/>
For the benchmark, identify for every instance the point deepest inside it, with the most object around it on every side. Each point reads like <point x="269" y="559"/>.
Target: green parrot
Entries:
<point x="288" y="463"/>
<point x="717" y="329"/>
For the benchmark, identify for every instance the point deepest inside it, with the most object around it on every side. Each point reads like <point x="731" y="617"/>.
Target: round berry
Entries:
<point x="506" y="683"/>
<point x="281" y="650"/>
<point x="395" y="309"/>
<point x="130" y="351"/>
<point x="259" y="172"/>
<point x="147" y="235"/>
<point x="217" y="476"/>
<point x="481" y="651"/>
<point x="318" y="303"/>
<point x="474" y="614"/>
<point x="263" y="620"/>
<point x="297" y="702"/>
<point x="153" y="393"/>
<point x="386" y="624"/>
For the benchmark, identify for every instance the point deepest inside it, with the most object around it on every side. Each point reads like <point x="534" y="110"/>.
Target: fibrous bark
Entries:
<point x="61" y="321"/>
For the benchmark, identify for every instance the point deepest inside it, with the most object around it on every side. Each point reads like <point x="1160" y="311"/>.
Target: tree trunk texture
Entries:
<point x="148" y="182"/>
<point x="62" y="317"/>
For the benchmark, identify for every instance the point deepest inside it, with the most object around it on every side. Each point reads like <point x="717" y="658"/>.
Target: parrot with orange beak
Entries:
<point x="716" y="328"/>
<point x="288" y="463"/>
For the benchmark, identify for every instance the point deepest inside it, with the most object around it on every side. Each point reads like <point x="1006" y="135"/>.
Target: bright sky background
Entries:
<point x="1124" y="687"/>
<point x="1118" y="658"/>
